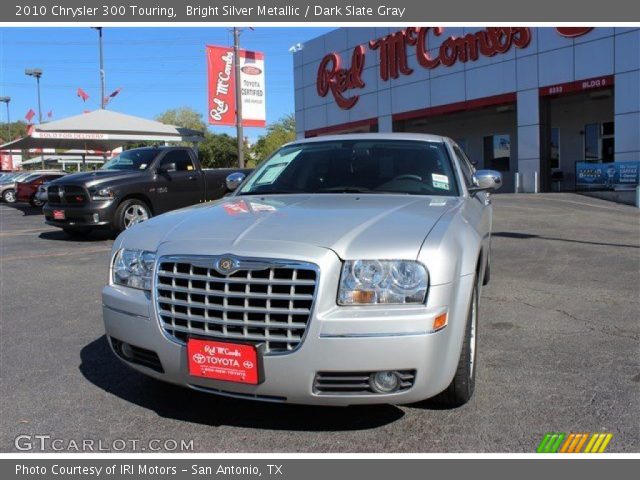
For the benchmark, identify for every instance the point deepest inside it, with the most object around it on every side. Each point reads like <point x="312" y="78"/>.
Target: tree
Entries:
<point x="185" y="117"/>
<point x="278" y="133"/>
<point x="18" y="130"/>
<point x="218" y="151"/>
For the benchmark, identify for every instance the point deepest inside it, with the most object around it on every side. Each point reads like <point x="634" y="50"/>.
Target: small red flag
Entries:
<point x="82" y="94"/>
<point x="50" y="114"/>
<point x="115" y="92"/>
<point x="30" y="114"/>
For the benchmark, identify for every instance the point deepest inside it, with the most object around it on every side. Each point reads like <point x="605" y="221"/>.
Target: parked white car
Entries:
<point x="343" y="270"/>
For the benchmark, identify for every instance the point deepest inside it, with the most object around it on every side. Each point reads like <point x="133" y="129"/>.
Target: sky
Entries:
<point x="157" y="69"/>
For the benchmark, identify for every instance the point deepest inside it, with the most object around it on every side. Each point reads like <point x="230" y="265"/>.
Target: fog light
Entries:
<point x="384" y="382"/>
<point x="126" y="350"/>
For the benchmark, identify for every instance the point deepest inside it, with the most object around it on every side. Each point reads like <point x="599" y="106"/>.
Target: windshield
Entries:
<point x="356" y="166"/>
<point x="7" y="178"/>
<point x="30" y="178"/>
<point x="137" y="159"/>
<point x="18" y="178"/>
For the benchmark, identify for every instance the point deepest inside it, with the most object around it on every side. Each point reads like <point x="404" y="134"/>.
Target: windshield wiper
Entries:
<point x="343" y="190"/>
<point x="275" y="192"/>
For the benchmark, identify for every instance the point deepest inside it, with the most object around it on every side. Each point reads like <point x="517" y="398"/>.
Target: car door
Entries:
<point x="178" y="182"/>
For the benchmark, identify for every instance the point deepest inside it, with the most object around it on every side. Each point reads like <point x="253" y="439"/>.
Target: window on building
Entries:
<point x="592" y="142"/>
<point x="599" y="142"/>
<point x="497" y="152"/>
<point x="554" y="151"/>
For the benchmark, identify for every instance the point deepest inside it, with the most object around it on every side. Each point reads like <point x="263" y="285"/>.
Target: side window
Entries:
<point x="465" y="165"/>
<point x="181" y="158"/>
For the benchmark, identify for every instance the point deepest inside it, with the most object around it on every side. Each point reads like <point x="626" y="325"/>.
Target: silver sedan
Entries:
<point x="343" y="270"/>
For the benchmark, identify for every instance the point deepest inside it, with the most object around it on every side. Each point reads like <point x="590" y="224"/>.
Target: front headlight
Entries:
<point x="370" y="282"/>
<point x="133" y="268"/>
<point x="101" y="194"/>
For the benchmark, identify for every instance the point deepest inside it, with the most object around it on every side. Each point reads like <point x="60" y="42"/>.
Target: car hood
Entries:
<point x="96" y="177"/>
<point x="353" y="226"/>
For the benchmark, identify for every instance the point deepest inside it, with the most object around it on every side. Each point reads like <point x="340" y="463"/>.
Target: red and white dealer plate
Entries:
<point x="232" y="362"/>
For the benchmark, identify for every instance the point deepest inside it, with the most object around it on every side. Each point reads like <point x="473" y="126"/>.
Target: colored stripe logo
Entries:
<point x="574" y="443"/>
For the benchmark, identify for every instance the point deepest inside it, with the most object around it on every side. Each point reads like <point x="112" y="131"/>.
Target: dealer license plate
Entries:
<point x="233" y="362"/>
<point x="58" y="215"/>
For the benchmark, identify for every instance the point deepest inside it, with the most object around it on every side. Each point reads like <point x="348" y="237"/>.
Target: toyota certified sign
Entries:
<point x="222" y="87"/>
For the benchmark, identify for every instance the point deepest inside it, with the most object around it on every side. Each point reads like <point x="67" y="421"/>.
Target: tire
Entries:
<point x="131" y="212"/>
<point x="461" y="388"/>
<point x="34" y="202"/>
<point x="77" y="232"/>
<point x="9" y="196"/>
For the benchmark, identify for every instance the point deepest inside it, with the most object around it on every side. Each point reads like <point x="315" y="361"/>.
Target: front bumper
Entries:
<point x="339" y="339"/>
<point x="94" y="214"/>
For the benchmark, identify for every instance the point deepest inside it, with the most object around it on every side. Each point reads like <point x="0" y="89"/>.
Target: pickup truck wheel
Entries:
<point x="35" y="202"/>
<point x="78" y="232"/>
<point x="461" y="388"/>
<point x="9" y="196"/>
<point x="131" y="212"/>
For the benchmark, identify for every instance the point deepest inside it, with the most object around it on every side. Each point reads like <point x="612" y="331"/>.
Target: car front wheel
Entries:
<point x="462" y="386"/>
<point x="35" y="202"/>
<point x="130" y="213"/>
<point x="9" y="196"/>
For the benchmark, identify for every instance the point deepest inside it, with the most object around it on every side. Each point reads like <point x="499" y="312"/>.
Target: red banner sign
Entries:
<point x="232" y="362"/>
<point x="6" y="162"/>
<point x="222" y="84"/>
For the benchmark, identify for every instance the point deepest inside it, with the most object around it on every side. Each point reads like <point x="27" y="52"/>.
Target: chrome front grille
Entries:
<point x="256" y="301"/>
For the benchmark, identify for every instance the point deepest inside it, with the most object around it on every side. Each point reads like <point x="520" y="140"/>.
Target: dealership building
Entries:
<point x="529" y="102"/>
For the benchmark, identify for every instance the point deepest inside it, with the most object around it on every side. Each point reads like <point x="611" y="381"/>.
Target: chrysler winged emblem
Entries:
<point x="226" y="265"/>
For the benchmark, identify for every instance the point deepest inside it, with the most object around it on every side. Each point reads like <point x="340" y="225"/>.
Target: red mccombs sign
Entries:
<point x="221" y="87"/>
<point x="393" y="51"/>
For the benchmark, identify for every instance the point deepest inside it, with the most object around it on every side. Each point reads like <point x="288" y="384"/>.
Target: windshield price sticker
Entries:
<point x="440" y="181"/>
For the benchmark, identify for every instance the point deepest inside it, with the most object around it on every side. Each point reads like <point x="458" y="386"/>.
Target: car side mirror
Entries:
<point x="234" y="180"/>
<point x="486" y="180"/>
<point x="167" y="168"/>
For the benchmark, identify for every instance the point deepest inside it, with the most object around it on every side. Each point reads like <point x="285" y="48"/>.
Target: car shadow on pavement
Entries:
<point x="100" y="366"/>
<point x="97" y="236"/>
<point x="26" y="209"/>
<point x="528" y="236"/>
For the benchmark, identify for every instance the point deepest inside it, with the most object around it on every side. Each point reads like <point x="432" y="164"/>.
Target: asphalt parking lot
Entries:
<point x="559" y="349"/>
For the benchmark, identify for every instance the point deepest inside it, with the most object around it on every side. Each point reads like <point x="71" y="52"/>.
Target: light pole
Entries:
<point x="102" y="80"/>
<point x="236" y="61"/>
<point x="37" y="72"/>
<point x="7" y="100"/>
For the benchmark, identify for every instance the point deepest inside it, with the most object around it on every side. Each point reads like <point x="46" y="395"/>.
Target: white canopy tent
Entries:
<point x="101" y="130"/>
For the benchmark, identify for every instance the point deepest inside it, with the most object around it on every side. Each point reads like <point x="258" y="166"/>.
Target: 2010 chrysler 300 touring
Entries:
<point x="343" y="270"/>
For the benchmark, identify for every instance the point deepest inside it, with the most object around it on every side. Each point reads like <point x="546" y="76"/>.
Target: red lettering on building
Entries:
<point x="393" y="53"/>
<point x="337" y="80"/>
<point x="571" y="32"/>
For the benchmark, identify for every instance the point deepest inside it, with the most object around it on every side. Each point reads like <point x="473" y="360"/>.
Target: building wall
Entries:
<point x="550" y="59"/>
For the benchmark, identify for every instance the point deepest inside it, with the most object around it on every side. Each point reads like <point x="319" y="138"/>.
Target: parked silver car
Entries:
<point x="344" y="270"/>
